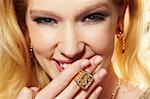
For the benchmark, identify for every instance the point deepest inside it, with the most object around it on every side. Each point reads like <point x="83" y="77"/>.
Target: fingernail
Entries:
<point x="97" y="61"/>
<point x="98" y="90"/>
<point x="84" y="64"/>
<point x="34" y="89"/>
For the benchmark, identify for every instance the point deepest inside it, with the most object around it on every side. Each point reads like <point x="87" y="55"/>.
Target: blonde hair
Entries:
<point x="131" y="65"/>
<point x="15" y="64"/>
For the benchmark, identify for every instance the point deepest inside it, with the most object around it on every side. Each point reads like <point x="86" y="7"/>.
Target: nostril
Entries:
<point x="73" y="55"/>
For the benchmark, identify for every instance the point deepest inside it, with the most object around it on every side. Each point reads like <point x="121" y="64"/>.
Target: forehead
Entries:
<point x="67" y="5"/>
<point x="70" y="8"/>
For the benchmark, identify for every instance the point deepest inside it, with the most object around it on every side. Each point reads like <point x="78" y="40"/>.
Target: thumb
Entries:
<point x="35" y="90"/>
<point x="25" y="93"/>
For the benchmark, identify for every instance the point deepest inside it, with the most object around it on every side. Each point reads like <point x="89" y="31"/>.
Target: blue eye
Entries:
<point x="95" y="17"/>
<point x="45" y="20"/>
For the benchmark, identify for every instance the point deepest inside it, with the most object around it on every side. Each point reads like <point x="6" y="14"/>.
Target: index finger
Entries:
<point x="65" y="77"/>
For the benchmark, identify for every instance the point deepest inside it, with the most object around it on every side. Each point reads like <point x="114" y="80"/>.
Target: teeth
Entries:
<point x="64" y="65"/>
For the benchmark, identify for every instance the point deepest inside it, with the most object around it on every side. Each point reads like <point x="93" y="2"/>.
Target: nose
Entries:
<point x="71" y="45"/>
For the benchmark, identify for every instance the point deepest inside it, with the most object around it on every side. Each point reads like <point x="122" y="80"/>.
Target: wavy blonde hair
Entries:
<point x="132" y="65"/>
<point x="14" y="63"/>
<point x="16" y="70"/>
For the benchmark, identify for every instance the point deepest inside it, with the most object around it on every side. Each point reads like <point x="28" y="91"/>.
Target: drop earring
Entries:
<point x="122" y="38"/>
<point x="31" y="53"/>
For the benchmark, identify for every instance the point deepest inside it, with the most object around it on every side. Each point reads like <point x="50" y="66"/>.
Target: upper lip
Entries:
<point x="67" y="61"/>
<point x="64" y="61"/>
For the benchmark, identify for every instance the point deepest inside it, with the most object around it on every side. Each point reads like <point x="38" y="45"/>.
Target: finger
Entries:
<point x="73" y="88"/>
<point x="95" y="62"/>
<point x="25" y="93"/>
<point x="97" y="79"/>
<point x="35" y="91"/>
<point x="65" y="77"/>
<point x="96" y="93"/>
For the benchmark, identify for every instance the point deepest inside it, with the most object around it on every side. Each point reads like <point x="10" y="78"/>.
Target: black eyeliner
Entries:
<point x="44" y="20"/>
<point x="95" y="16"/>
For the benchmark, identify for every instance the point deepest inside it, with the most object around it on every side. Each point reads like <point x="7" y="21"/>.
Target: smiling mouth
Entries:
<point x="61" y="65"/>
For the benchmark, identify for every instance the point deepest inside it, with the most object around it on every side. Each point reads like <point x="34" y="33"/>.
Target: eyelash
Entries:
<point x="94" y="17"/>
<point x="45" y="20"/>
<point x="91" y="18"/>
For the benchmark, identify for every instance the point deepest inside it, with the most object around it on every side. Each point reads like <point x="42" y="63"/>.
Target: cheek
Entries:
<point x="101" y="38"/>
<point x="42" y="39"/>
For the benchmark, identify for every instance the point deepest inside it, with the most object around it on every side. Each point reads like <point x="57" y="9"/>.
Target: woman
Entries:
<point x="68" y="40"/>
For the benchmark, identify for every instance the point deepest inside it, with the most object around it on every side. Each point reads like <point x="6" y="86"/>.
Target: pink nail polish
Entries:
<point x="84" y="64"/>
<point x="97" y="61"/>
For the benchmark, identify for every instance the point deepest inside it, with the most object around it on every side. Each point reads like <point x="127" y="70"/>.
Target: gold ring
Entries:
<point x="84" y="79"/>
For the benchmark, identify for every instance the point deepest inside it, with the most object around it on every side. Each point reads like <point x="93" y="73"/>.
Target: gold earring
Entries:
<point x="122" y="38"/>
<point x="31" y="51"/>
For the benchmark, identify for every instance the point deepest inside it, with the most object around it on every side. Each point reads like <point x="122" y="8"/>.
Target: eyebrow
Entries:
<point x="43" y="12"/>
<point x="80" y="13"/>
<point x="92" y="7"/>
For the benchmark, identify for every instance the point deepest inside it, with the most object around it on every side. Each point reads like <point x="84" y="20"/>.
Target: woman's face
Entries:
<point x="63" y="31"/>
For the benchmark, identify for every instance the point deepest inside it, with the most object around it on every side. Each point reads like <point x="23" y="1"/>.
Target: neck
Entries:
<point x="109" y="83"/>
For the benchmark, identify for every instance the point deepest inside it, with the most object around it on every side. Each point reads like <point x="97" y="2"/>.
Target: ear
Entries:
<point x="121" y="14"/>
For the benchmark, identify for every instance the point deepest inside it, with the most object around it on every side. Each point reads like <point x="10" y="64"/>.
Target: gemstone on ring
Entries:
<point x="84" y="79"/>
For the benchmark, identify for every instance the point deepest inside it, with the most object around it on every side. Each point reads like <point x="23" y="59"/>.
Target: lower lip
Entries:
<point x="60" y="69"/>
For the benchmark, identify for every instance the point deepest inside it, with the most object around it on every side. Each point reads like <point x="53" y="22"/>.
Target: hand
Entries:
<point x="65" y="87"/>
<point x="28" y="93"/>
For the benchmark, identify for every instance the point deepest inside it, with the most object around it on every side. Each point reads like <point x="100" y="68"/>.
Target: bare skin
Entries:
<point x="58" y="90"/>
<point x="78" y="34"/>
